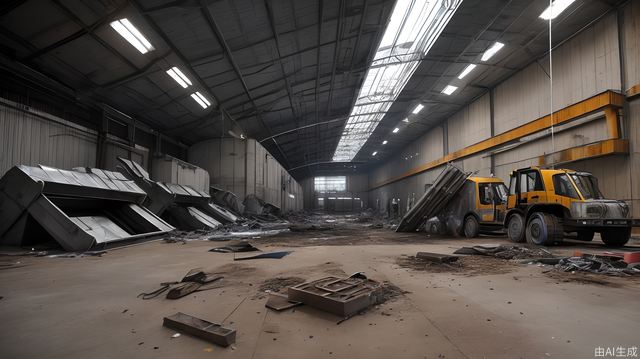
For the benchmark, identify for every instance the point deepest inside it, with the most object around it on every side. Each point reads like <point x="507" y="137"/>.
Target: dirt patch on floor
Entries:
<point x="468" y="265"/>
<point x="278" y="283"/>
<point x="390" y="292"/>
<point x="235" y="270"/>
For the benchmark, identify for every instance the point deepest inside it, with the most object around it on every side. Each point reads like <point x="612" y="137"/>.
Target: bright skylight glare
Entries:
<point x="466" y="71"/>
<point x="179" y="77"/>
<point x="374" y="153"/>
<point x="449" y="90"/>
<point x="412" y="30"/>
<point x="558" y="6"/>
<point x="417" y="109"/>
<point x="385" y="142"/>
<point x="492" y="51"/>
<point x="130" y="33"/>
<point x="201" y="100"/>
<point x="406" y="120"/>
<point x="395" y="130"/>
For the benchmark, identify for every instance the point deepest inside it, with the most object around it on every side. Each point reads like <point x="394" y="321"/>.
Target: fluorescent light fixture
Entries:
<point x="413" y="28"/>
<point x="556" y="7"/>
<point x="492" y="50"/>
<point x="466" y="71"/>
<point x="417" y="109"/>
<point x="374" y="153"/>
<point x="130" y="33"/>
<point x="395" y="130"/>
<point x="291" y="196"/>
<point x="180" y="78"/>
<point x="449" y="90"/>
<point x="406" y="120"/>
<point x="201" y="100"/>
<point x="385" y="142"/>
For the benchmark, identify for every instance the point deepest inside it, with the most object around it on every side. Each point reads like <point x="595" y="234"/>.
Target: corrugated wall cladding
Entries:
<point x="470" y="125"/>
<point x="631" y="43"/>
<point x="31" y="137"/>
<point x="245" y="167"/>
<point x="172" y="170"/>
<point x="584" y="66"/>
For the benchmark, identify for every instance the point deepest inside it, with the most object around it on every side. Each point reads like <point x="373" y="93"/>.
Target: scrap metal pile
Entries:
<point x="87" y="208"/>
<point x="448" y="183"/>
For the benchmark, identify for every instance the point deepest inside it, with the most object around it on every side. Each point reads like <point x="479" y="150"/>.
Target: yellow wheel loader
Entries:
<point x="545" y="204"/>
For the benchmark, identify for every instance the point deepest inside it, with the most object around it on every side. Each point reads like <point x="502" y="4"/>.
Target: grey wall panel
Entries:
<point x="470" y="125"/>
<point x="584" y="66"/>
<point x="245" y="167"/>
<point x="26" y="138"/>
<point x="172" y="170"/>
<point x="631" y="43"/>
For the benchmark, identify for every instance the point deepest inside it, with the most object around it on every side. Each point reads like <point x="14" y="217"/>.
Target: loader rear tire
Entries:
<point x="544" y="229"/>
<point x="471" y="227"/>
<point x="515" y="228"/>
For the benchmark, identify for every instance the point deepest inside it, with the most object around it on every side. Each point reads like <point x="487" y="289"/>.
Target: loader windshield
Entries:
<point x="587" y="185"/>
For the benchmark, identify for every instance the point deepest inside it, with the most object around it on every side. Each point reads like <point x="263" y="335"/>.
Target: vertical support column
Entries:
<point x="611" y="116"/>
<point x="492" y="126"/>
<point x="445" y="138"/>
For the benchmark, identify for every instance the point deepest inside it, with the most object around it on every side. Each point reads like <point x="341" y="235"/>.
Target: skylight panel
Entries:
<point x="374" y="153"/>
<point x="449" y="90"/>
<point x="179" y="77"/>
<point x="492" y="51"/>
<point x="385" y="142"/>
<point x="417" y="109"/>
<point x="556" y="7"/>
<point x="412" y="30"/>
<point x="466" y="71"/>
<point x="130" y="33"/>
<point x="201" y="100"/>
<point x="395" y="130"/>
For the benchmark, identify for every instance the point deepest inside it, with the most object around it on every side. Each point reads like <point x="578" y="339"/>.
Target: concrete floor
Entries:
<point x="87" y="307"/>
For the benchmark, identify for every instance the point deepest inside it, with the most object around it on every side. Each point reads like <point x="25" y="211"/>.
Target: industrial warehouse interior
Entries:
<point x="319" y="178"/>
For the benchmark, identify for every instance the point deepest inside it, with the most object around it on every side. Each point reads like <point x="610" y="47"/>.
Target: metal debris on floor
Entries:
<point x="594" y="263"/>
<point x="506" y="251"/>
<point x="196" y="280"/>
<point x="280" y="302"/>
<point x="269" y="255"/>
<point x="437" y="257"/>
<point x="341" y="296"/>
<point x="211" y="332"/>
<point x="234" y="248"/>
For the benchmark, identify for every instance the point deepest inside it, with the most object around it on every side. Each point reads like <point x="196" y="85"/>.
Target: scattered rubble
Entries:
<point x="507" y="251"/>
<point x="196" y="280"/>
<point x="278" y="283"/>
<point x="202" y="329"/>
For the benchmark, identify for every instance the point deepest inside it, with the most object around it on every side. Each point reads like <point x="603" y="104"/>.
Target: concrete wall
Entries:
<point x="245" y="167"/>
<point x="586" y="65"/>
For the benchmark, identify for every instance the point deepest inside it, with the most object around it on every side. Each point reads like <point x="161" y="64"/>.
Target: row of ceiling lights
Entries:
<point x="129" y="32"/>
<point x="551" y="12"/>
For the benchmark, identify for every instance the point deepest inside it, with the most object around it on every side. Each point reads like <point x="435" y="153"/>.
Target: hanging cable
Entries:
<point x="553" y="140"/>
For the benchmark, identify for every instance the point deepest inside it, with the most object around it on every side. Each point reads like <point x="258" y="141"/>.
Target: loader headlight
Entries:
<point x="595" y="211"/>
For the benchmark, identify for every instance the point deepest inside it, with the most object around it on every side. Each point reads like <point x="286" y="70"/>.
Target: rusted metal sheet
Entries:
<point x="79" y="209"/>
<point x="342" y="296"/>
<point x="211" y="332"/>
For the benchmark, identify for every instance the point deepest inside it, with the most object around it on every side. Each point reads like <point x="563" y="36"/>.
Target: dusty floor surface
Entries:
<point x="480" y="308"/>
